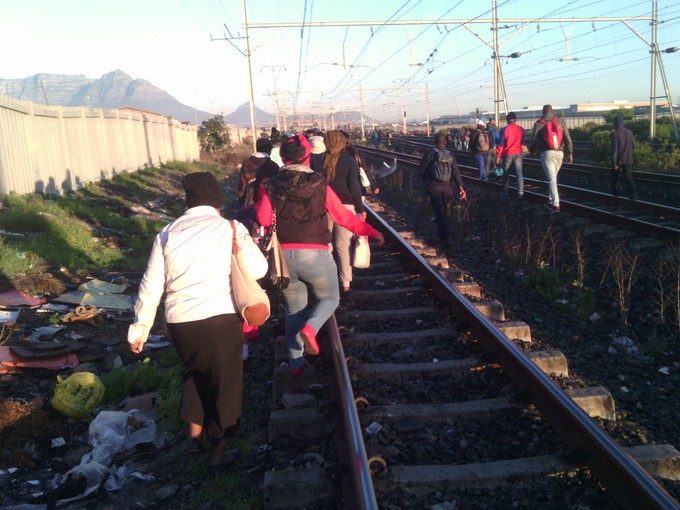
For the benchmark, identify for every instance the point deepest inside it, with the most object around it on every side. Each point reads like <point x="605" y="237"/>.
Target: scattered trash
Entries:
<point x="102" y="287"/>
<point x="520" y="276"/>
<point x="13" y="298"/>
<point x="435" y="360"/>
<point x="624" y="389"/>
<point x="12" y="470"/>
<point x="77" y="396"/>
<point x="9" y="315"/>
<point x="373" y="428"/>
<point x="8" y="359"/>
<point x="117" y="478"/>
<point x="160" y="345"/>
<point x="85" y="313"/>
<point x="89" y="476"/>
<point x="626" y="344"/>
<point x="45" y="331"/>
<point x="419" y="321"/>
<point x="665" y="370"/>
<point x="563" y="301"/>
<point x="58" y="442"/>
<point x="141" y="476"/>
<point x="51" y="308"/>
<point x="594" y="317"/>
<point x="33" y="482"/>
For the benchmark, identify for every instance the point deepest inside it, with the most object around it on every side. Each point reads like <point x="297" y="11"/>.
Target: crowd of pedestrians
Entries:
<point x="311" y="188"/>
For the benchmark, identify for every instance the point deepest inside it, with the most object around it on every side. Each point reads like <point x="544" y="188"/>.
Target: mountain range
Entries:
<point x="115" y="90"/>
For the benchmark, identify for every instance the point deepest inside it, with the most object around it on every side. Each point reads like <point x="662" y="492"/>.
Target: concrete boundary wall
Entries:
<point x="54" y="149"/>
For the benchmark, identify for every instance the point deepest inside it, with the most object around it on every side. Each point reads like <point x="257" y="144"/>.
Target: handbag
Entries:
<point x="250" y="299"/>
<point x="361" y="258"/>
<point x="278" y="276"/>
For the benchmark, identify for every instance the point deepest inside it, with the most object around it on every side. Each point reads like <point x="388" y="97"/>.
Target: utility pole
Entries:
<point x="427" y="107"/>
<point x="253" y="125"/>
<point x="361" y="99"/>
<point x="42" y="86"/>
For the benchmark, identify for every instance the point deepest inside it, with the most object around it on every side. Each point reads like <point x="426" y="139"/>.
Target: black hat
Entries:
<point x="511" y="116"/>
<point x="201" y="188"/>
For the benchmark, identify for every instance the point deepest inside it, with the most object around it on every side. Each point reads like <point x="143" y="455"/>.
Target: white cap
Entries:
<point x="480" y="122"/>
<point x="318" y="146"/>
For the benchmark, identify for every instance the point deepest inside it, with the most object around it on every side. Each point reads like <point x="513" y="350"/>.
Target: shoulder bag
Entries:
<point x="250" y="300"/>
<point x="278" y="276"/>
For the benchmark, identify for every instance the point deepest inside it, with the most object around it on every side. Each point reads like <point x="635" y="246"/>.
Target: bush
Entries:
<point x="544" y="280"/>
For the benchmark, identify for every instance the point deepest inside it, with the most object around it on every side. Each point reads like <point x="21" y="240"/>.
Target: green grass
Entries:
<point x="71" y="231"/>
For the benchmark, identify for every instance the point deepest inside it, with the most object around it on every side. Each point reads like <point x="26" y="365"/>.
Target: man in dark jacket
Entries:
<point x="257" y="167"/>
<point x="622" y="157"/>
<point x="440" y="191"/>
<point x="481" y="141"/>
<point x="551" y="159"/>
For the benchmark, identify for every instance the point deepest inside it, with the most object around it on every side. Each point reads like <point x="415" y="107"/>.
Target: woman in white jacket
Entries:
<point x="191" y="263"/>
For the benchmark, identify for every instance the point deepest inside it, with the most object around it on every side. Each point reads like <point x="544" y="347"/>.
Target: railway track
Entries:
<point x="648" y="219"/>
<point x="425" y="394"/>
<point x="660" y="188"/>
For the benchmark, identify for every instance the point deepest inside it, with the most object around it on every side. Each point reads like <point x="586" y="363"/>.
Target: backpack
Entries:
<point x="440" y="168"/>
<point x="552" y="133"/>
<point x="483" y="142"/>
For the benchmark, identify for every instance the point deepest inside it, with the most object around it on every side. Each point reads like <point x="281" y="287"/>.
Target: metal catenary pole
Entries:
<point x="494" y="22"/>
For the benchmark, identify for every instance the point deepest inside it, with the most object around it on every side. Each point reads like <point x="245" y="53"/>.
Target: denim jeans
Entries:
<point x="480" y="161"/>
<point x="310" y="298"/>
<point x="508" y="161"/>
<point x="440" y="194"/>
<point x="551" y="162"/>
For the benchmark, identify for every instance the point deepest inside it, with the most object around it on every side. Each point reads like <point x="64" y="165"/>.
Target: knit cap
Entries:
<point x="201" y="188"/>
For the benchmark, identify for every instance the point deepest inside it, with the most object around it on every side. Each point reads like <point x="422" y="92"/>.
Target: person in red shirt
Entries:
<point x="303" y="201"/>
<point x="510" y="149"/>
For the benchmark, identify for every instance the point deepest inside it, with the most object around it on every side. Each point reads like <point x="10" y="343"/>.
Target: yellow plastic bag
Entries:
<point x="78" y="395"/>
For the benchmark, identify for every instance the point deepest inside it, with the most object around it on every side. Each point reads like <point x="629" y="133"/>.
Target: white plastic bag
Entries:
<point x="362" y="253"/>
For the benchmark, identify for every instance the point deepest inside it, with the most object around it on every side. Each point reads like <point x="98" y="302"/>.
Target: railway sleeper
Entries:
<point x="662" y="461"/>
<point x="297" y="488"/>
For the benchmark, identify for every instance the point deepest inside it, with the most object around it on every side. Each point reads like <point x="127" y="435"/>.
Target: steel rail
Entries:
<point x="638" y="175"/>
<point x="363" y="492"/>
<point x="630" y="485"/>
<point x="643" y="227"/>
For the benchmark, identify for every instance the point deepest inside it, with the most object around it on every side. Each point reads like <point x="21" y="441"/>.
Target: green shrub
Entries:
<point x="544" y="280"/>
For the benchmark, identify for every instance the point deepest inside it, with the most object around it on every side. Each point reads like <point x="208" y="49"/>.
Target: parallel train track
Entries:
<point x="430" y="362"/>
<point x="646" y="218"/>
<point x="657" y="187"/>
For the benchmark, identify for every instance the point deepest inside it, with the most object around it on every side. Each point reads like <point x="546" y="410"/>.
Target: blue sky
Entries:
<point x="168" y="42"/>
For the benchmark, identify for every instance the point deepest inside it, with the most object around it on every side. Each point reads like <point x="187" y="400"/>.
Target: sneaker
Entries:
<point x="309" y="339"/>
<point x="297" y="372"/>
<point x="552" y="208"/>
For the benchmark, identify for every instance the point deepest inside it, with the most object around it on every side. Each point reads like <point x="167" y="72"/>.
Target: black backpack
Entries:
<point x="440" y="168"/>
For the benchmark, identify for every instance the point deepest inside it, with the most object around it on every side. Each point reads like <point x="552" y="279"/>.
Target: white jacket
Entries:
<point x="191" y="262"/>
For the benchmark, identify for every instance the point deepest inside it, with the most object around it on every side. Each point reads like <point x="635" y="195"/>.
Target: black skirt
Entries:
<point x="212" y="352"/>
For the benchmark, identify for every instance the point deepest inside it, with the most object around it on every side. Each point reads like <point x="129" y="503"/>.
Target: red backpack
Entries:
<point x="552" y="133"/>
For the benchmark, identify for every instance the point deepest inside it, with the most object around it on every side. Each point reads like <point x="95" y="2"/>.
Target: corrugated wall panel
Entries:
<point x="55" y="149"/>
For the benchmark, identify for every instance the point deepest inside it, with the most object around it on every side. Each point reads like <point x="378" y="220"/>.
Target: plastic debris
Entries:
<point x="9" y="315"/>
<point x="58" y="442"/>
<point x="45" y="331"/>
<point x="373" y="428"/>
<point x="78" y="395"/>
<point x="594" y="317"/>
<point x="665" y="370"/>
<point x="12" y="470"/>
<point x="624" y="389"/>
<point x="626" y="344"/>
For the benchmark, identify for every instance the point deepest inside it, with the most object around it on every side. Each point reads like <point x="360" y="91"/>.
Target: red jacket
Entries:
<point x="512" y="139"/>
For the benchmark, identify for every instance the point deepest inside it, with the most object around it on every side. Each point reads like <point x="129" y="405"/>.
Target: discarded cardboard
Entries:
<point x="13" y="298"/>
<point x="101" y="287"/>
<point x="8" y="359"/>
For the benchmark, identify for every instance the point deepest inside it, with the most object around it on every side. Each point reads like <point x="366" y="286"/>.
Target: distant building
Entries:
<point x="137" y="110"/>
